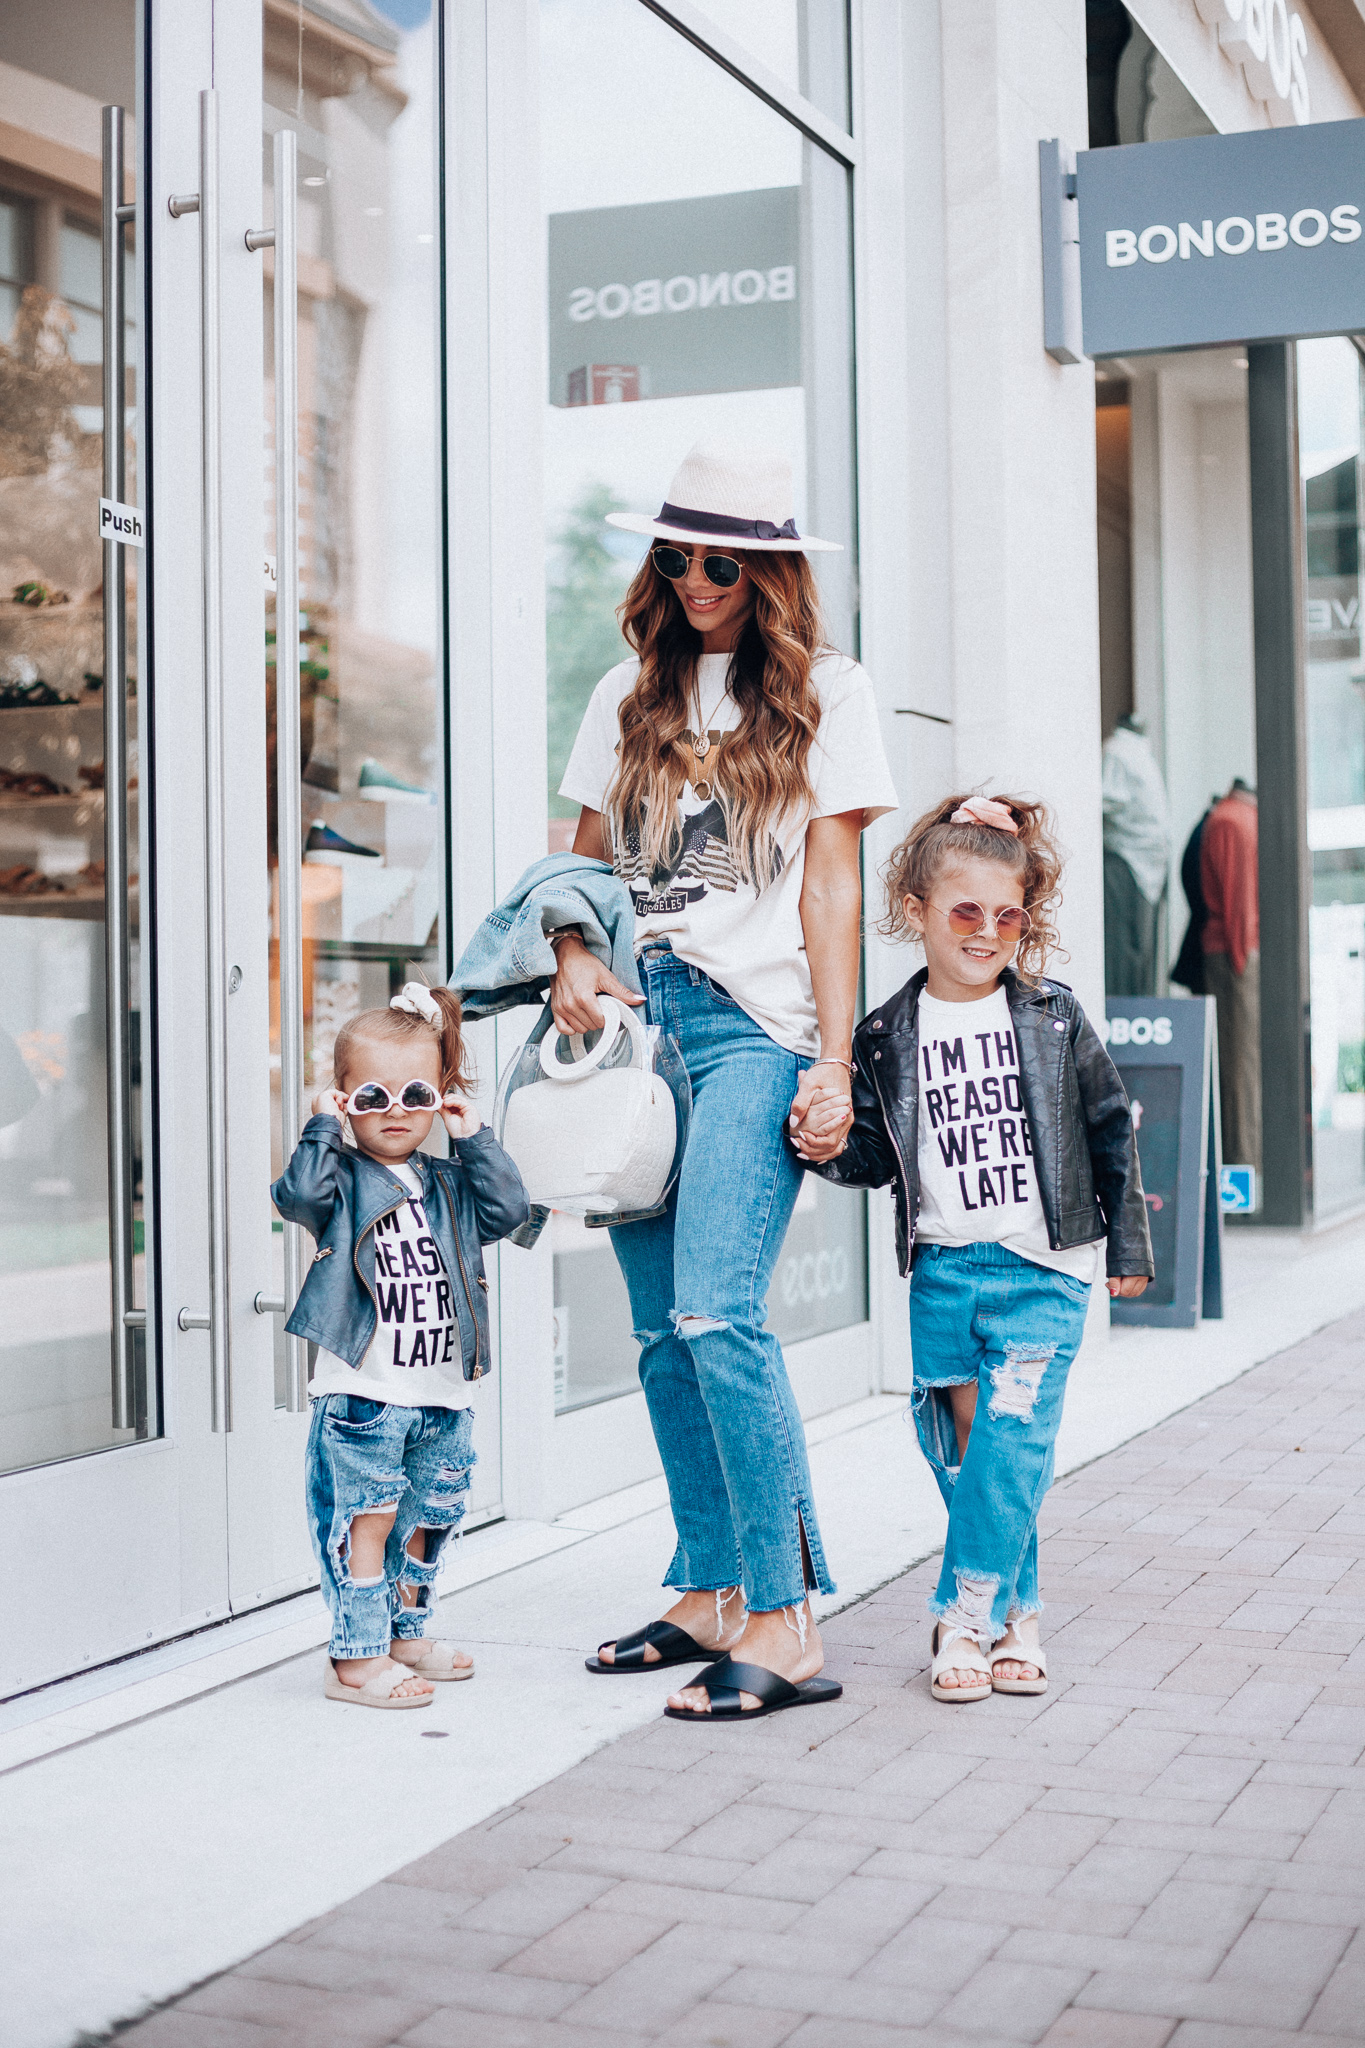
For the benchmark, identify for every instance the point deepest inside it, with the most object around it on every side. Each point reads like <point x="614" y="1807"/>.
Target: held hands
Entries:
<point x="580" y="980"/>
<point x="1129" y="1287"/>
<point x="821" y="1114"/>
<point x="459" y="1118"/>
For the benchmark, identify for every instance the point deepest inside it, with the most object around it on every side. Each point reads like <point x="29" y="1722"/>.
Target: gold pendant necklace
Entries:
<point x="701" y="745"/>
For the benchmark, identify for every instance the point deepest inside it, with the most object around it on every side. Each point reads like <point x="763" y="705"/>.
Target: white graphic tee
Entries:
<point x="749" y="940"/>
<point x="976" y="1173"/>
<point x="414" y="1360"/>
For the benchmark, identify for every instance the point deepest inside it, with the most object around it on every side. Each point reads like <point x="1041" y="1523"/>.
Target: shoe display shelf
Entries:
<point x="52" y="760"/>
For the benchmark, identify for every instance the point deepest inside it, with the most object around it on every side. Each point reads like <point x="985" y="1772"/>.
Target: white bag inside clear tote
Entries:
<point x="592" y="1137"/>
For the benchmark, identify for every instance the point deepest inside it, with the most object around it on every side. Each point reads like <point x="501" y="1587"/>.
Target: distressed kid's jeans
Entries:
<point x="720" y="1403"/>
<point x="366" y="1455"/>
<point x="981" y="1315"/>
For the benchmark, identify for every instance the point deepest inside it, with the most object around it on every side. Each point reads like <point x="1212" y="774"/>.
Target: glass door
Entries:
<point x="356" y="733"/>
<point x="104" y="1420"/>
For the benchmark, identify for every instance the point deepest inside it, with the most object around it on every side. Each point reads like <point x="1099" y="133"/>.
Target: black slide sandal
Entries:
<point x="674" y="1646"/>
<point x="725" y="1681"/>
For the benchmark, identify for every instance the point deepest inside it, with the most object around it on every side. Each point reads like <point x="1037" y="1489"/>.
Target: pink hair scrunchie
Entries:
<point x="984" y="810"/>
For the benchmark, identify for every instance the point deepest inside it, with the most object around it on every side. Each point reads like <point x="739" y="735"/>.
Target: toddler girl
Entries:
<point x="985" y="1096"/>
<point x="397" y="1303"/>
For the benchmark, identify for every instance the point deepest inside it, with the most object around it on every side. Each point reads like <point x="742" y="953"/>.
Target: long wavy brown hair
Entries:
<point x="934" y="842"/>
<point x="759" y="772"/>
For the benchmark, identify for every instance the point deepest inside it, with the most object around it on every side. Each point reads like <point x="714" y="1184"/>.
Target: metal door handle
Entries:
<point x="205" y="203"/>
<point x="124" y="1345"/>
<point x="288" y="765"/>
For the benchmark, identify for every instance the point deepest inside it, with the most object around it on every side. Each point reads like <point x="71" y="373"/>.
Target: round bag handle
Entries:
<point x="619" y="1018"/>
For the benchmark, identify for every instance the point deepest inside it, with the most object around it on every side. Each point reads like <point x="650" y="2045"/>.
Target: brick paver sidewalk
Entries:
<point x="1169" y="1848"/>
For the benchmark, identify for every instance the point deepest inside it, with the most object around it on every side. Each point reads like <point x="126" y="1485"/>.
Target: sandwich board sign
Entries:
<point x="1205" y="241"/>
<point x="1166" y="1052"/>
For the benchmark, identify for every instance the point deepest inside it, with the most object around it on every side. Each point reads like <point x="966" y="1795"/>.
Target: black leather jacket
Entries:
<point x="1084" y="1151"/>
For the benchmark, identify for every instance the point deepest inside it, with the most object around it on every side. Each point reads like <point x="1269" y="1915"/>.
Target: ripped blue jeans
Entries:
<point x="366" y="1455"/>
<point x="980" y="1315"/>
<point x="720" y="1403"/>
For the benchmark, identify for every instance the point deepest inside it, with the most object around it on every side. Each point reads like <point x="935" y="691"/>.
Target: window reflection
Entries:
<point x="361" y="97"/>
<point x="1330" y="453"/>
<point x="699" y="283"/>
<point x="56" y="1344"/>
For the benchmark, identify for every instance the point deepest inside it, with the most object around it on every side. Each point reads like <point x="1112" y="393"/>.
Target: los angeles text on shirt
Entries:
<point x="978" y="1120"/>
<point x="412" y="1291"/>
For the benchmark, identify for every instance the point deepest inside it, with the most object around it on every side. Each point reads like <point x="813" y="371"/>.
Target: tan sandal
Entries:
<point x="380" y="1690"/>
<point x="949" y="1657"/>
<point x="1011" y="1650"/>
<point x="437" y="1662"/>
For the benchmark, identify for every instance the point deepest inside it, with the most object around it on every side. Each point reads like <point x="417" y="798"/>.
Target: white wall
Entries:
<point x="1025" y="628"/>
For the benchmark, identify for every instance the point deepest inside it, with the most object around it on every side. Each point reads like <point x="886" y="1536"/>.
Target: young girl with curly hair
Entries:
<point x="983" y="1093"/>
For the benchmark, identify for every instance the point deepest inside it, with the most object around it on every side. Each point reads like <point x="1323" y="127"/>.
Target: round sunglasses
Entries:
<point x="722" y="570"/>
<point x="372" y="1098"/>
<point x="968" y="920"/>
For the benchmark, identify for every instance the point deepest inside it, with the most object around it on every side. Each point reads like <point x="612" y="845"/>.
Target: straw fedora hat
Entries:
<point x="743" y="495"/>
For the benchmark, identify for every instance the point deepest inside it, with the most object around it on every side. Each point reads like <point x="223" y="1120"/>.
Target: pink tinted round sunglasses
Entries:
<point x="969" y="920"/>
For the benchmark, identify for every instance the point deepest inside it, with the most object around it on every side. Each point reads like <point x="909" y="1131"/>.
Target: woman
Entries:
<point x="727" y="771"/>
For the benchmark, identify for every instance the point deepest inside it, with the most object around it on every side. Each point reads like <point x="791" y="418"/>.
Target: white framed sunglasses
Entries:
<point x="372" y="1098"/>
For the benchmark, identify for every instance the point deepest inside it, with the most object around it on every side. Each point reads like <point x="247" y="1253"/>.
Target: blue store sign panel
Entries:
<point x="1165" y="1051"/>
<point x="684" y="296"/>
<point x="1223" y="238"/>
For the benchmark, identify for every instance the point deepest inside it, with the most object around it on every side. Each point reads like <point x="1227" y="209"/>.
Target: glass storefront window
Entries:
<point x="805" y="42"/>
<point x="1330" y="459"/>
<point x="699" y="283"/>
<point x="362" y="99"/>
<point x="58" y="1352"/>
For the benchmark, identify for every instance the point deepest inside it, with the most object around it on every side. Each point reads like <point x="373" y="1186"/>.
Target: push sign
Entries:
<point x="121" y="523"/>
<point x="1222" y="238"/>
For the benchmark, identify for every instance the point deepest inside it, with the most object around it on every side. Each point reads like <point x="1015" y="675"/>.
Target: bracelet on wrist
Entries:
<point x="832" y="1061"/>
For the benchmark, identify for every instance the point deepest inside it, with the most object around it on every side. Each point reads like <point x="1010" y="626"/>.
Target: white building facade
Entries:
<point x="542" y="246"/>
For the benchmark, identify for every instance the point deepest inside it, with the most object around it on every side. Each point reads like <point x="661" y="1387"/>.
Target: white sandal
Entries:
<point x="950" y="1658"/>
<point x="1011" y="1650"/>
<point x="379" y="1690"/>
<point x="437" y="1662"/>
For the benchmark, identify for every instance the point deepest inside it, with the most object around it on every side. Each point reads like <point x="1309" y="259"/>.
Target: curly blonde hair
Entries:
<point x="934" y="842"/>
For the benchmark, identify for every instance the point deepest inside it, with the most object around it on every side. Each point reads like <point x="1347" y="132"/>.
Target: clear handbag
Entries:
<point x="596" y="1123"/>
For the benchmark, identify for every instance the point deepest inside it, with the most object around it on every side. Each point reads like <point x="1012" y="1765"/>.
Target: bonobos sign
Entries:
<point x="1223" y="238"/>
<point x="682" y="296"/>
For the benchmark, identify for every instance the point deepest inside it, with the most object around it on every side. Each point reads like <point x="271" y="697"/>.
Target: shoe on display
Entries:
<point x="381" y="785"/>
<point x="326" y="848"/>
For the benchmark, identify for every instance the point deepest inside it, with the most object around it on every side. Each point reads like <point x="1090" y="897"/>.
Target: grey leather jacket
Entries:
<point x="338" y="1195"/>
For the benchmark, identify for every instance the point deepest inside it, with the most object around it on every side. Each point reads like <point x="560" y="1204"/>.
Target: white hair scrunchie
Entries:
<point x="418" y="1001"/>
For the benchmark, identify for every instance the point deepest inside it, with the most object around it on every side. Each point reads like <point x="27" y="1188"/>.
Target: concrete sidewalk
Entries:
<point x="1169" y="1848"/>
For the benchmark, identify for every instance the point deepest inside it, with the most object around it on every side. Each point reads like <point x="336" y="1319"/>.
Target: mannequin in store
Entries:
<point x="1232" y="964"/>
<point x="1137" y="855"/>
<point x="1188" y="970"/>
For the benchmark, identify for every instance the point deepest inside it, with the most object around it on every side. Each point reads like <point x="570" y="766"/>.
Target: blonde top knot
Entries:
<point x="419" y="1002"/>
<point x="984" y="810"/>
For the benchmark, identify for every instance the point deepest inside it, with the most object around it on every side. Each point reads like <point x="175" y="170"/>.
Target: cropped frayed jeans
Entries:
<point x="364" y="1456"/>
<point x="720" y="1403"/>
<point x="980" y="1315"/>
